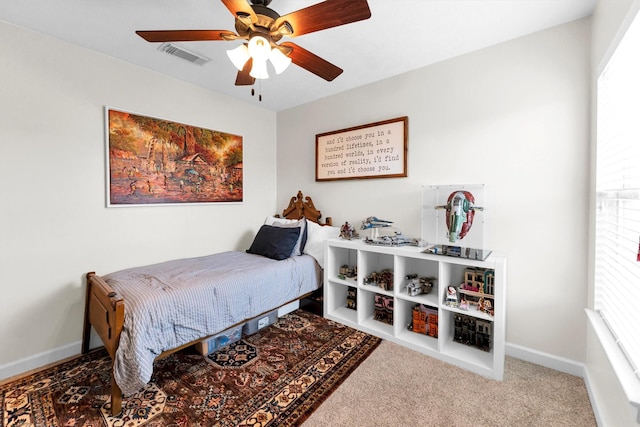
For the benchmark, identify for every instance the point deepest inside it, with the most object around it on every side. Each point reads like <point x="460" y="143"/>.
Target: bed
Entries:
<point x="145" y="313"/>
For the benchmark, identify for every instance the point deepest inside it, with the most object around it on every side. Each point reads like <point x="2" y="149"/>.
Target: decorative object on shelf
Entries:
<point x="417" y="286"/>
<point x="460" y="209"/>
<point x="352" y="297"/>
<point x="374" y="222"/>
<point x="473" y="332"/>
<point x="479" y="280"/>
<point x="347" y="272"/>
<point x="383" y="308"/>
<point x="392" y="241"/>
<point x="485" y="306"/>
<point x="347" y="231"/>
<point x="458" y="232"/>
<point x="424" y="320"/>
<point x="382" y="232"/>
<point x="383" y="279"/>
<point x="376" y="150"/>
<point x="477" y="289"/>
<point x="451" y="297"/>
<point x="375" y="228"/>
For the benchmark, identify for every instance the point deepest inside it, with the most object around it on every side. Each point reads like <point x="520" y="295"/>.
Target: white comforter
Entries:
<point x="176" y="302"/>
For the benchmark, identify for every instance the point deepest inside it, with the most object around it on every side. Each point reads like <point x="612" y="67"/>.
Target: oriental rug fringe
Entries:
<point x="276" y="377"/>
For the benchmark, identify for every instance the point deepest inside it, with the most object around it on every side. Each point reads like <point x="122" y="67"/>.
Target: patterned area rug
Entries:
<point x="276" y="377"/>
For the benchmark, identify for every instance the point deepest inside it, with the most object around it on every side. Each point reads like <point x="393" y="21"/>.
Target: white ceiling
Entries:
<point x="400" y="36"/>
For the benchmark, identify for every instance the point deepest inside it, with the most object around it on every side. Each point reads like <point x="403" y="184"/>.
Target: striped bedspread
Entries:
<point x="176" y="302"/>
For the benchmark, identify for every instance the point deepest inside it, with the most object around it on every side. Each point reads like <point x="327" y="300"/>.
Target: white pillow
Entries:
<point x="316" y="236"/>
<point x="283" y="222"/>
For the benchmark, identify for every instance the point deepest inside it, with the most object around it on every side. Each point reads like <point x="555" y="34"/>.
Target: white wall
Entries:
<point x="54" y="226"/>
<point x="515" y="117"/>
<point x="608" y="398"/>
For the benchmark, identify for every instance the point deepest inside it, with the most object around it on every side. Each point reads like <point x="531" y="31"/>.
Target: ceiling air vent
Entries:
<point x="183" y="53"/>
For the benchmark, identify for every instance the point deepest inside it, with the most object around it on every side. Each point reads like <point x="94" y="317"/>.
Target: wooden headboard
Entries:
<point x="300" y="206"/>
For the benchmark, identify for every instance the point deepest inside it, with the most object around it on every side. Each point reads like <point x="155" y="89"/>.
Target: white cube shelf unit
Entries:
<point x="406" y="260"/>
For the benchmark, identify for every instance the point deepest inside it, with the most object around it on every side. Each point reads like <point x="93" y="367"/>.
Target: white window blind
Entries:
<point x="617" y="250"/>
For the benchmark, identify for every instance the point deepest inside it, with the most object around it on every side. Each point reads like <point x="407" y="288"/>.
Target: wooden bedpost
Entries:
<point x="116" y="397"/>
<point x="86" y="329"/>
<point x="104" y="311"/>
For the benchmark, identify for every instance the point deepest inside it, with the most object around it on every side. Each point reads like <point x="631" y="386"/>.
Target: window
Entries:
<point x="617" y="218"/>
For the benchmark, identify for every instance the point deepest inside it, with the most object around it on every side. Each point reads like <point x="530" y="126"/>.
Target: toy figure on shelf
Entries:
<point x="374" y="222"/>
<point x="486" y="306"/>
<point x="347" y="231"/>
<point x="451" y="298"/>
<point x="460" y="212"/>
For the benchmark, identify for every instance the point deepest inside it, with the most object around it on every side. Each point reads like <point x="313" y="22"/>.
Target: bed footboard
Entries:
<point x="104" y="310"/>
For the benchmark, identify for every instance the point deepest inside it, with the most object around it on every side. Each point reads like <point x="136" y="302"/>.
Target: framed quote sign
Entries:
<point x="375" y="150"/>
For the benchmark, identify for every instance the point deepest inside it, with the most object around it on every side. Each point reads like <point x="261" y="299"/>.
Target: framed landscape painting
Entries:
<point x="153" y="161"/>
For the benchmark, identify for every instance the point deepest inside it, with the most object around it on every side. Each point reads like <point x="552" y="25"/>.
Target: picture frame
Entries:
<point x="152" y="161"/>
<point x="374" y="150"/>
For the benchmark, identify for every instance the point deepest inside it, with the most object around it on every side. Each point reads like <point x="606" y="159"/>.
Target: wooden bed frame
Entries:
<point x="104" y="308"/>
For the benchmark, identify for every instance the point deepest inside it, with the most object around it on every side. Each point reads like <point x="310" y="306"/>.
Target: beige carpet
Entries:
<point x="397" y="386"/>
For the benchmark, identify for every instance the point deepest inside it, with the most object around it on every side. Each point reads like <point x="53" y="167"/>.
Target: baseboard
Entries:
<point x="547" y="360"/>
<point x="40" y="360"/>
<point x="592" y="397"/>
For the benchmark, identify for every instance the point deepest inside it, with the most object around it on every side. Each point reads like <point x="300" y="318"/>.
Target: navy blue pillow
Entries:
<point x="275" y="242"/>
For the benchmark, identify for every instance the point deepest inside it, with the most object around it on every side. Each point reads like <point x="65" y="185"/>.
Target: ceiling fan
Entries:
<point x="263" y="28"/>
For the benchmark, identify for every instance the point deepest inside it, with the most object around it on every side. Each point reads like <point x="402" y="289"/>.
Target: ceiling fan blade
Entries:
<point x="311" y="62"/>
<point x="242" y="7"/>
<point x="186" y="35"/>
<point x="327" y="14"/>
<point x="243" y="78"/>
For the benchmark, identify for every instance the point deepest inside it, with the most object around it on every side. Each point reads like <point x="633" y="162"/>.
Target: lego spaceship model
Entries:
<point x="460" y="210"/>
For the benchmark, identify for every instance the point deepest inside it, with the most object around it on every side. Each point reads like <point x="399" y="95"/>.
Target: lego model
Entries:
<point x="460" y="209"/>
<point x="451" y="297"/>
<point x="472" y="332"/>
<point x="352" y="297"/>
<point x="383" y="308"/>
<point x="478" y="289"/>
<point x="479" y="280"/>
<point x="424" y="320"/>
<point x="417" y="286"/>
<point x="347" y="272"/>
<point x="347" y="231"/>
<point x="383" y="279"/>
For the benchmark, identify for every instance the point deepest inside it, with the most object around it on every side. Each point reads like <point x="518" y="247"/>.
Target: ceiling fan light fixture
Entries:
<point x="239" y="56"/>
<point x="259" y="48"/>
<point x="259" y="69"/>
<point x="279" y="60"/>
